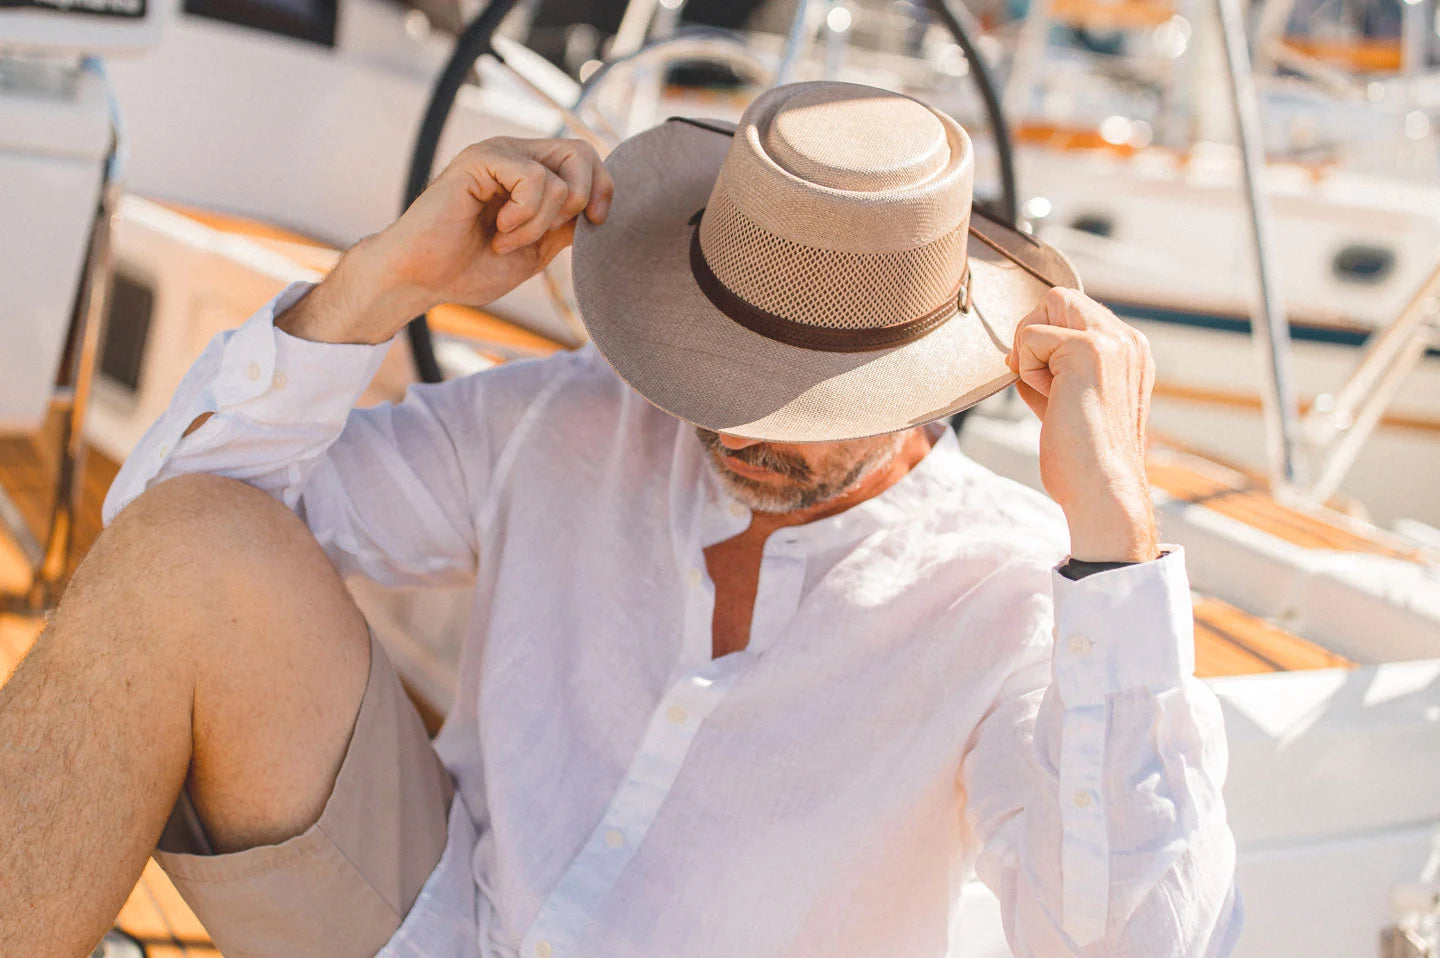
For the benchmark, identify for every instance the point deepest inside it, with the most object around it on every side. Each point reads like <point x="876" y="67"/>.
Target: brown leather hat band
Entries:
<point x="808" y="336"/>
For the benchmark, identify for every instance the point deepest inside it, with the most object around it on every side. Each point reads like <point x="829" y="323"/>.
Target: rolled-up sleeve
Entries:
<point x="383" y="489"/>
<point x="1094" y="783"/>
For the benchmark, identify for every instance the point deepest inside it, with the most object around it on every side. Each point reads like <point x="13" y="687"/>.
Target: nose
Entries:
<point x="736" y="442"/>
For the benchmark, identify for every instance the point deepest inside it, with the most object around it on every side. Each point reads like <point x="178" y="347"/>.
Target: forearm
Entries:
<point x="359" y="302"/>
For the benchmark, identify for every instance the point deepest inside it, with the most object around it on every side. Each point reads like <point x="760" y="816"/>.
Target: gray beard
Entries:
<point x="759" y="497"/>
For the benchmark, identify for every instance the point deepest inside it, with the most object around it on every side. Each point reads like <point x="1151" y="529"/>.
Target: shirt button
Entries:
<point x="676" y="714"/>
<point x="1081" y="798"/>
<point x="1080" y="645"/>
<point x="253" y="370"/>
<point x="164" y="450"/>
<point x="279" y="381"/>
<point x="737" y="510"/>
<point x="614" y="838"/>
<point x="542" y="949"/>
<point x="695" y="576"/>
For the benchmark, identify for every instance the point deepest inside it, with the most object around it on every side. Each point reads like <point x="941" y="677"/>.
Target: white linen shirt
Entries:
<point x="922" y="694"/>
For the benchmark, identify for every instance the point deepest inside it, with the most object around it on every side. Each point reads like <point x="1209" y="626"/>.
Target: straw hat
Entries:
<point x="814" y="273"/>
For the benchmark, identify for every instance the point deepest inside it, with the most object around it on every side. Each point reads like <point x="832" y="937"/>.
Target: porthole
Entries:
<point x="131" y="308"/>
<point x="1362" y="263"/>
<point x="1096" y="224"/>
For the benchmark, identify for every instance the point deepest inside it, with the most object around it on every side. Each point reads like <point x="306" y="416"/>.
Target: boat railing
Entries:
<point x="49" y="556"/>
<point x="1334" y="431"/>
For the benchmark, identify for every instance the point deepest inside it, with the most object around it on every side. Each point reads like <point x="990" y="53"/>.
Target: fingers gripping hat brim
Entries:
<point x="647" y="315"/>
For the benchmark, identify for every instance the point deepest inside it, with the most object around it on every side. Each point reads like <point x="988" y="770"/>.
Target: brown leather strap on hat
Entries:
<point x="807" y="335"/>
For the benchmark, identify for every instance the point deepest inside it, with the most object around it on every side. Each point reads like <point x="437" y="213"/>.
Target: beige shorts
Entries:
<point x="343" y="886"/>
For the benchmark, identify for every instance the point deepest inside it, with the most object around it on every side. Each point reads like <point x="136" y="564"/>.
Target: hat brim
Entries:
<point x="650" y="320"/>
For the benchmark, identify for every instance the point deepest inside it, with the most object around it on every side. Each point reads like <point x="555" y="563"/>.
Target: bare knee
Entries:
<point x="274" y="654"/>
<point x="197" y="554"/>
<point x="199" y="522"/>
<point x="202" y="535"/>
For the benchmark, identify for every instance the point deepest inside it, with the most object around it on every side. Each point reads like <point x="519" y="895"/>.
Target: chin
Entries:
<point x="758" y="496"/>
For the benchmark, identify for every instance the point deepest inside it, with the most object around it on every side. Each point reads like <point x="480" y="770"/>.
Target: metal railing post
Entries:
<point x="1271" y="332"/>
<point x="52" y="564"/>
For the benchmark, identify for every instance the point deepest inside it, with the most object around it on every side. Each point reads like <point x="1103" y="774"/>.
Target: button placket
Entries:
<point x="674" y="723"/>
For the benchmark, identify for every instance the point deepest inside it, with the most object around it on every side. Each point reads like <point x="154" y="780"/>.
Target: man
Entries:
<point x="765" y="675"/>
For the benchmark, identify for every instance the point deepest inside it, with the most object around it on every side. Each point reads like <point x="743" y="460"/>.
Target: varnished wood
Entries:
<point x="1229" y="641"/>
<point x="27" y="469"/>
<point x="1244" y="497"/>
<point x="1360" y="55"/>
<point x="467" y="322"/>
<point x="1117" y="15"/>
<point x="157" y="916"/>
<point x="1251" y="402"/>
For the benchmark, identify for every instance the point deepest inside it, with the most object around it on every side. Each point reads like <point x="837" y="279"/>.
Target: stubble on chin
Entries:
<point x="792" y="494"/>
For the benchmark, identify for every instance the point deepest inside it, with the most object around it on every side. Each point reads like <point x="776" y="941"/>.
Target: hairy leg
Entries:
<point x="206" y="638"/>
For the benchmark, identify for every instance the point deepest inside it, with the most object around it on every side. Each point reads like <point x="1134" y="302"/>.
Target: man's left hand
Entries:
<point x="1088" y="377"/>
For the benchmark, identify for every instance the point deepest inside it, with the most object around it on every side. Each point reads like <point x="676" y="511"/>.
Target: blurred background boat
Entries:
<point x="1297" y="463"/>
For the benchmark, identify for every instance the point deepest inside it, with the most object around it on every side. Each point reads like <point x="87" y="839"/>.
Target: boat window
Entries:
<point x="312" y="20"/>
<point x="1097" y="224"/>
<point x="127" y="328"/>
<point x="1364" y="264"/>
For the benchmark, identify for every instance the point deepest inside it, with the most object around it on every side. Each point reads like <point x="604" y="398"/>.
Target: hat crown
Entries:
<point x="827" y="135"/>
<point x="841" y="206"/>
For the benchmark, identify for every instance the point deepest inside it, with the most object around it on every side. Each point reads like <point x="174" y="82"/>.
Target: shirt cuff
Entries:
<point x="272" y="376"/>
<point x="1126" y="628"/>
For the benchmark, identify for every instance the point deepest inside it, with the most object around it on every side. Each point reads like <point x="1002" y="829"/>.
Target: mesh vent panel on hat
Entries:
<point x="828" y="288"/>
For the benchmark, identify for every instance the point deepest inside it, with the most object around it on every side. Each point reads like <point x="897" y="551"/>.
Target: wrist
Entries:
<point x="379" y="303"/>
<point x="360" y="301"/>
<point x="1113" y="527"/>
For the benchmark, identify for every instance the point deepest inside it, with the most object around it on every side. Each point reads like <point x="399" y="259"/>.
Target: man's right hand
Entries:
<point x="496" y="216"/>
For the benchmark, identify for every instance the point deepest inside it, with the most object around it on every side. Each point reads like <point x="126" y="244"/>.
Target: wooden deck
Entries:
<point x="1187" y="477"/>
